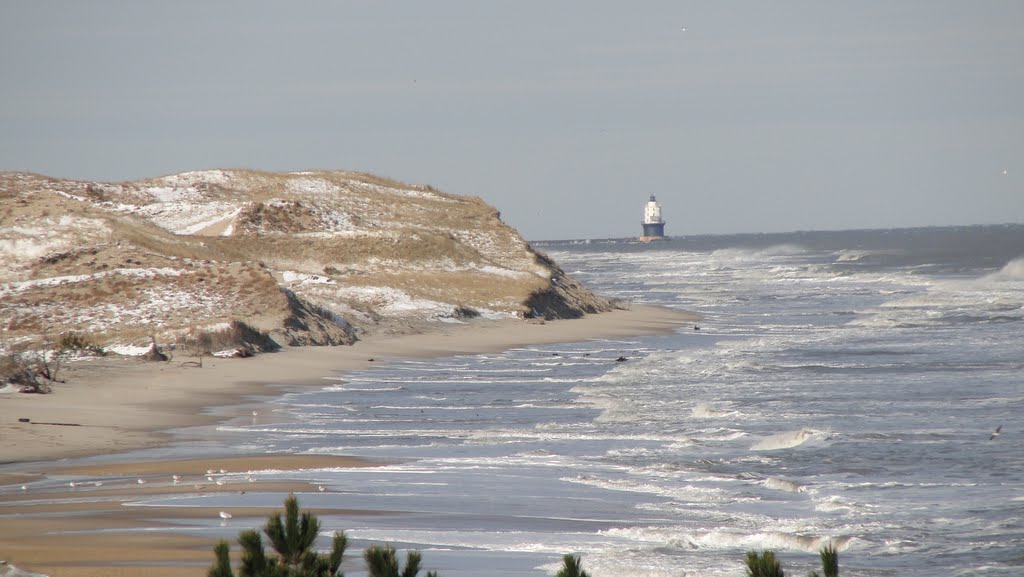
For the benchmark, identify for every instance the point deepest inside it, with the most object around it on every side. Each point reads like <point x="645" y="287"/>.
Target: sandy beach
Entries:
<point x="109" y="406"/>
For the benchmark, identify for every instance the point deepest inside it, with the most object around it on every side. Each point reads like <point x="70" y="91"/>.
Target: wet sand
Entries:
<point x="110" y="406"/>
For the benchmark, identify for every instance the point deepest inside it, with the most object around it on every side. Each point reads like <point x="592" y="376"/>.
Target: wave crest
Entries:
<point x="704" y="411"/>
<point x="783" y="485"/>
<point x="851" y="255"/>
<point x="786" y="440"/>
<point x="1011" y="271"/>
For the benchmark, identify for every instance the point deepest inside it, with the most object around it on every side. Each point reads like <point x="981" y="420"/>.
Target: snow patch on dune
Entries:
<point x="292" y="277"/>
<point x="187" y="218"/>
<point x="312" y="185"/>
<point x="199" y="226"/>
<point x="127" y="350"/>
<point x="391" y="300"/>
<point x="406" y="192"/>
<point x="46" y="236"/>
<point x="21" y="286"/>
<point x="194" y="177"/>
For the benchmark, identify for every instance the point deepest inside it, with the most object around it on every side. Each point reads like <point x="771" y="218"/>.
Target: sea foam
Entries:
<point x="786" y="440"/>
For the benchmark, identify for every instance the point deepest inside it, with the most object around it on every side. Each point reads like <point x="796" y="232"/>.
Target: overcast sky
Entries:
<point x="746" y="116"/>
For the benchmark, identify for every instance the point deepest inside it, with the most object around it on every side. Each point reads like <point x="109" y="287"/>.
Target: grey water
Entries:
<point x="842" y="388"/>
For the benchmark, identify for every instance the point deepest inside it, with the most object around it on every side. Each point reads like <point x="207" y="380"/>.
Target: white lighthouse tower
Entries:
<point x="654" y="225"/>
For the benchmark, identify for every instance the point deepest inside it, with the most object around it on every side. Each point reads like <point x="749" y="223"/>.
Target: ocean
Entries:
<point x="842" y="387"/>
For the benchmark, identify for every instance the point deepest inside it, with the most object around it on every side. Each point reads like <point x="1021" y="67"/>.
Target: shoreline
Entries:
<point x="115" y="405"/>
<point x="110" y="407"/>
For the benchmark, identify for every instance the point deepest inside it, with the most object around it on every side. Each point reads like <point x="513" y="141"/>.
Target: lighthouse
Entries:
<point x="654" y="225"/>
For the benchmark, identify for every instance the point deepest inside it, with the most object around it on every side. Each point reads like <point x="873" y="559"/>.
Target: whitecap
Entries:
<point x="783" y="485"/>
<point x="786" y="440"/>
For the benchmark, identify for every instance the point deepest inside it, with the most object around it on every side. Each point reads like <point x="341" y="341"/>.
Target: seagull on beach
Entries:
<point x="72" y="484"/>
<point x="225" y="515"/>
<point x="320" y="488"/>
<point x="996" y="433"/>
<point x="140" y="481"/>
<point x="176" y="478"/>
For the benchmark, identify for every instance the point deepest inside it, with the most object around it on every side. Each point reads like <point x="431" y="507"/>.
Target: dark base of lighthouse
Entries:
<point x="653" y="231"/>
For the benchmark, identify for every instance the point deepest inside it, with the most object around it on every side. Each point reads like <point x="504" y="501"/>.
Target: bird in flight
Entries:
<point x="996" y="433"/>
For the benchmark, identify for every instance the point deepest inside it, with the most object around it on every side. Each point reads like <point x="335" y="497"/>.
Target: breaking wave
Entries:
<point x="730" y="540"/>
<point x="1012" y="271"/>
<point x="784" y="440"/>
<point x="851" y="255"/>
<point x="783" y="485"/>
